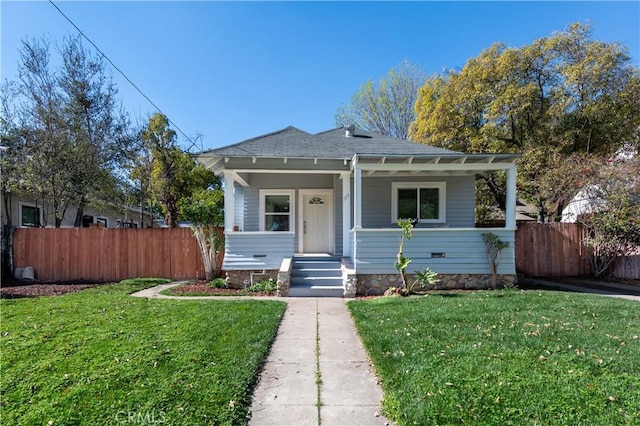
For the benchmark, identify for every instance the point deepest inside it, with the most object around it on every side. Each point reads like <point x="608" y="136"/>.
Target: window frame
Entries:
<point x="292" y="206"/>
<point x="31" y="205"/>
<point x="442" y="196"/>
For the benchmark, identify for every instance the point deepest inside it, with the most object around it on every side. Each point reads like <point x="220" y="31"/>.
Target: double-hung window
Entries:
<point x="29" y="216"/>
<point x="424" y="201"/>
<point x="276" y="210"/>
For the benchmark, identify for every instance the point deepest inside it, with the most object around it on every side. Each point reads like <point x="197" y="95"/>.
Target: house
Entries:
<point x="587" y="200"/>
<point x="26" y="212"/>
<point x="297" y="203"/>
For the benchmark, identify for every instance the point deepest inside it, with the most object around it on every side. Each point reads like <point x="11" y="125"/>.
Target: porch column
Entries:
<point x="346" y="213"/>
<point x="357" y="199"/>
<point x="510" y="214"/>
<point x="229" y="201"/>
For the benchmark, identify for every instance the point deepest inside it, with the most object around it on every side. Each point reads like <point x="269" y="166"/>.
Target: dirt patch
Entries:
<point x="202" y="288"/>
<point x="37" y="290"/>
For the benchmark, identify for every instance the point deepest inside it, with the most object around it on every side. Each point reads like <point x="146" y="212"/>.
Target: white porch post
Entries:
<point x="510" y="214"/>
<point x="346" y="213"/>
<point x="357" y="199"/>
<point x="229" y="201"/>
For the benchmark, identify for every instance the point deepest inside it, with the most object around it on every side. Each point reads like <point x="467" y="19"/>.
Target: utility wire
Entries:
<point x="123" y="74"/>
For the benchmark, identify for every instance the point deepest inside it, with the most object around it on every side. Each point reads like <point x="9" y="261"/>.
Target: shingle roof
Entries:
<point x="291" y="142"/>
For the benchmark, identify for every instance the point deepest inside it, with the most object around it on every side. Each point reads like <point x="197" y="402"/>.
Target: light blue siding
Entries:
<point x="463" y="249"/>
<point x="460" y="200"/>
<point x="256" y="250"/>
<point x="251" y="207"/>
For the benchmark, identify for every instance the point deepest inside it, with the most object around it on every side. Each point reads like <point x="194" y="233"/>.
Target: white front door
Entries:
<point x="317" y="224"/>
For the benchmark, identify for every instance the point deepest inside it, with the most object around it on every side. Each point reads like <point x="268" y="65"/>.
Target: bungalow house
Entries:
<point x="318" y="212"/>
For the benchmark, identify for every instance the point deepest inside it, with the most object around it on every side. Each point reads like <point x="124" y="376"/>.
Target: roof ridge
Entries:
<point x="326" y="131"/>
<point x="254" y="138"/>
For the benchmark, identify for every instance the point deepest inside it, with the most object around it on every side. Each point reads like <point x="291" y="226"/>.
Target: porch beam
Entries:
<point x="510" y="214"/>
<point x="288" y="171"/>
<point x="229" y="201"/>
<point x="434" y="167"/>
<point x="242" y="181"/>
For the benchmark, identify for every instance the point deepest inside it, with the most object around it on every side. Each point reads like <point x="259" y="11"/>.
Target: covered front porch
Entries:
<point x="364" y="210"/>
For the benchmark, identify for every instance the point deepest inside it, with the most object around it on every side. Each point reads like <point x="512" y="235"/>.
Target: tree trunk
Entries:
<point x="171" y="214"/>
<point x="80" y="212"/>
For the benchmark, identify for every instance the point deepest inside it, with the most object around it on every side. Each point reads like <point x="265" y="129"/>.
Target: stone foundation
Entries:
<point x="242" y="279"/>
<point x="376" y="284"/>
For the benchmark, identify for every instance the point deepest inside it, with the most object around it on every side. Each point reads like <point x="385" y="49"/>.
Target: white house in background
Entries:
<point x="586" y="201"/>
<point x="318" y="212"/>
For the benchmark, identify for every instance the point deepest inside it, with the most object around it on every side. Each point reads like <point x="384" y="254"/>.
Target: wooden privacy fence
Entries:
<point x="626" y="267"/>
<point x="552" y="250"/>
<point x="558" y="250"/>
<point x="105" y="255"/>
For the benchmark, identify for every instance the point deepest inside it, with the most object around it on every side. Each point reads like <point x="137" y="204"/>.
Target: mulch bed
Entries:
<point x="16" y="290"/>
<point x="203" y="288"/>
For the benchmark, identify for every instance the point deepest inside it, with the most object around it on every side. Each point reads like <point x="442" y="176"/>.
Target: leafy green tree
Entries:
<point x="204" y="209"/>
<point x="95" y="127"/>
<point x="387" y="108"/>
<point x="45" y="154"/>
<point x="562" y="94"/>
<point x="75" y="139"/>
<point x="614" y="224"/>
<point x="174" y="173"/>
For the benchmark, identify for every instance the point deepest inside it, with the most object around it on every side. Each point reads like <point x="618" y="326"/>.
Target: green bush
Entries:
<point x="265" y="286"/>
<point x="219" y="283"/>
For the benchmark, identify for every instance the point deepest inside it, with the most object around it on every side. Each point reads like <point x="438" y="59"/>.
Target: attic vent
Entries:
<point x="349" y="130"/>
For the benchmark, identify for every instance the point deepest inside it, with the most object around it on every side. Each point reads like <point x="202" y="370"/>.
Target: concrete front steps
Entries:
<point x="316" y="276"/>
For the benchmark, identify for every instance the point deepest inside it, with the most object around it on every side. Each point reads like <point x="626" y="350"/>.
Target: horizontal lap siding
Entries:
<point x="464" y="251"/>
<point x="296" y="182"/>
<point x="257" y="251"/>
<point x="376" y="200"/>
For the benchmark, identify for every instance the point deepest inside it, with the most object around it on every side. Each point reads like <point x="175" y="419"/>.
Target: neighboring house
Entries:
<point x="27" y="213"/>
<point x="586" y="201"/>
<point x="290" y="195"/>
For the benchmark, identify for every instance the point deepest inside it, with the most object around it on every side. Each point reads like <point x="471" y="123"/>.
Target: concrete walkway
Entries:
<point x="316" y="360"/>
<point x="317" y="338"/>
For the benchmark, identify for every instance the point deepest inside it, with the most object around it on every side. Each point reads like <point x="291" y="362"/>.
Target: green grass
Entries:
<point x="505" y="357"/>
<point x="101" y="356"/>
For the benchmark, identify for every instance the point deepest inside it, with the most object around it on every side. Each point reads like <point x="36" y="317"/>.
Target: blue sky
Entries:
<point x="234" y="70"/>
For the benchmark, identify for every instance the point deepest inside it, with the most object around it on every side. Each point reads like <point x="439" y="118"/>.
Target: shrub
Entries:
<point x="219" y="283"/>
<point x="265" y="286"/>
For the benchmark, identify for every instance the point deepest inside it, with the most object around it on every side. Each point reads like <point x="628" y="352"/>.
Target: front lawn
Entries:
<point x="101" y="356"/>
<point x="505" y="357"/>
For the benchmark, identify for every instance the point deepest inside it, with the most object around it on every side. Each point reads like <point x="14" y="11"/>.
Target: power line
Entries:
<point x="123" y="74"/>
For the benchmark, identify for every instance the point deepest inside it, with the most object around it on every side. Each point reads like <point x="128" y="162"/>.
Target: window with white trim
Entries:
<point x="424" y="201"/>
<point x="276" y="210"/>
<point x="30" y="215"/>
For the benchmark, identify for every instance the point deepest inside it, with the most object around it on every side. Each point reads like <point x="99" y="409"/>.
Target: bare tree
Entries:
<point x="387" y="108"/>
